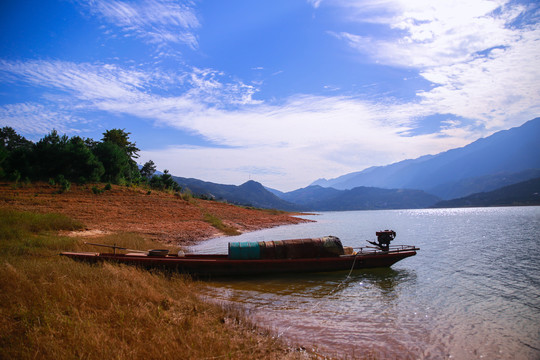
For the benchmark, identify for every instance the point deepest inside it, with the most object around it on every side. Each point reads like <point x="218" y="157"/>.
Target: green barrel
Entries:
<point x="244" y="251"/>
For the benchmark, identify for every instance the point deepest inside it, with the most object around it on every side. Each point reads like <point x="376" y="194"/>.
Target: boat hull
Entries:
<point x="221" y="265"/>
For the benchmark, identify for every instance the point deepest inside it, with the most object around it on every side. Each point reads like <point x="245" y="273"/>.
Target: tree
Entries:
<point x="74" y="159"/>
<point x="50" y="156"/>
<point x="164" y="182"/>
<point x="116" y="162"/>
<point x="121" y="138"/>
<point x="169" y="182"/>
<point x="10" y="140"/>
<point x="82" y="165"/>
<point x="14" y="153"/>
<point x="148" y="169"/>
<point x="121" y="168"/>
<point x="16" y="164"/>
<point x="57" y="155"/>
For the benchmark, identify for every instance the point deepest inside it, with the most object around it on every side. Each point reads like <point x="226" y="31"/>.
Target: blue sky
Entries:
<point x="282" y="92"/>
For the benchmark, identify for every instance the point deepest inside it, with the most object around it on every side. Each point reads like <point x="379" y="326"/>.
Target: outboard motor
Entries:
<point x="384" y="238"/>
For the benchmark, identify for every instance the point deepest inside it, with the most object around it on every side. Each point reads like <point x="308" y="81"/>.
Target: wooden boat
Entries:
<point x="296" y="256"/>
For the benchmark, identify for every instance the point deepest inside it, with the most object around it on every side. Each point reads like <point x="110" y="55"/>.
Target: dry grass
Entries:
<point x="55" y="308"/>
<point x="161" y="216"/>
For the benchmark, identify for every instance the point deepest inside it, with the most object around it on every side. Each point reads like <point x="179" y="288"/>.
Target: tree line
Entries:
<point x="61" y="158"/>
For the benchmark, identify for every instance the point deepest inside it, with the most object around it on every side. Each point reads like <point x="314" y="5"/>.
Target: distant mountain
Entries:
<point x="317" y="198"/>
<point x="523" y="193"/>
<point x="250" y="193"/>
<point x="371" y="176"/>
<point x="274" y="191"/>
<point x="484" y="183"/>
<point x="510" y="151"/>
<point x="504" y="158"/>
<point x="309" y="195"/>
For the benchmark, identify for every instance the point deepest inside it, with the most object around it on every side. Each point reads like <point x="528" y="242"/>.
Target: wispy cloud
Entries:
<point x="84" y="81"/>
<point x="304" y="136"/>
<point x="426" y="34"/>
<point x="498" y="90"/>
<point x="154" y="21"/>
<point x="98" y="83"/>
<point x="483" y="67"/>
<point x="36" y="120"/>
<point x="314" y="3"/>
<point x="481" y="57"/>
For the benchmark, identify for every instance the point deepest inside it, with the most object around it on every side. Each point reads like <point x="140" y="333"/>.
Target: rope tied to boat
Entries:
<point x="352" y="268"/>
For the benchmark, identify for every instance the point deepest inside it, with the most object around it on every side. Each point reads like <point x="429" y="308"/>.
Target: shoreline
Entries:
<point x="164" y="217"/>
<point x="132" y="218"/>
<point x="63" y="309"/>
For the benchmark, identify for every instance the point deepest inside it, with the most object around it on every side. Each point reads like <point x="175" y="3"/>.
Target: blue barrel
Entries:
<point x="244" y="251"/>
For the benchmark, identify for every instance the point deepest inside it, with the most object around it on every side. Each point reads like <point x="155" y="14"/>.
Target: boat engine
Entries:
<point x="384" y="237"/>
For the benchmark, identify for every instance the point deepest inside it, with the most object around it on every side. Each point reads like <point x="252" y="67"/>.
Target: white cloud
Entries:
<point x="423" y="33"/>
<point x="483" y="63"/>
<point x="107" y="83"/>
<point x="155" y="21"/>
<point x="272" y="166"/>
<point x="482" y="69"/>
<point x="498" y="90"/>
<point x="305" y="137"/>
<point x="36" y="119"/>
<point x="85" y="81"/>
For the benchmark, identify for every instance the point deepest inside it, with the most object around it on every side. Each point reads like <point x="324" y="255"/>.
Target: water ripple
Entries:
<point x="472" y="292"/>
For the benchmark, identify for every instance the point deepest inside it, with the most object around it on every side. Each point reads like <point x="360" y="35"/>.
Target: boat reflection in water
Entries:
<point x="321" y="284"/>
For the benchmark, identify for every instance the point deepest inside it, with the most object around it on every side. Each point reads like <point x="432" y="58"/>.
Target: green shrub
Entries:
<point x="218" y="224"/>
<point x="64" y="184"/>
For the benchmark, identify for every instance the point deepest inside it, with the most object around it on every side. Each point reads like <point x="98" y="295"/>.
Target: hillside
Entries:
<point x="524" y="193"/>
<point x="153" y="214"/>
<point x="251" y="193"/>
<point x="310" y="195"/>
<point x="505" y="152"/>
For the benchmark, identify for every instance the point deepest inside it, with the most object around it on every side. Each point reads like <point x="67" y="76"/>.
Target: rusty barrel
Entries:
<point x="329" y="246"/>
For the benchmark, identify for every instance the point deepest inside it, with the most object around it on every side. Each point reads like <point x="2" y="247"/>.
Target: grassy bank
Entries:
<point x="55" y="308"/>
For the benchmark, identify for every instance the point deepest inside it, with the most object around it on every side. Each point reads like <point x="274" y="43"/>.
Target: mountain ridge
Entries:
<point x="318" y="198"/>
<point x="250" y="193"/>
<point x="526" y="193"/>
<point x="507" y="151"/>
<point x="502" y="159"/>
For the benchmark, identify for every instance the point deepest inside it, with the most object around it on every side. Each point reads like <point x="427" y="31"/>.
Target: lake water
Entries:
<point x="471" y="292"/>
